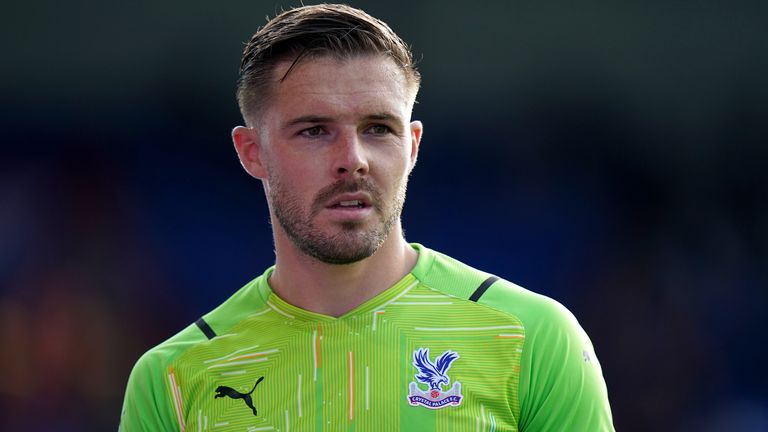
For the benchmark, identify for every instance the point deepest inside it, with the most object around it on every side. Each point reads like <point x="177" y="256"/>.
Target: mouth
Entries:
<point x="350" y="207"/>
<point x="349" y="204"/>
<point x="349" y="201"/>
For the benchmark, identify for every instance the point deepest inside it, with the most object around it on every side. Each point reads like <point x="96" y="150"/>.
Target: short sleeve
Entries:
<point x="147" y="406"/>
<point x="561" y="382"/>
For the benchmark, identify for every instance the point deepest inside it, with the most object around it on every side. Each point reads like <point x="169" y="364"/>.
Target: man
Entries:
<point x="353" y="328"/>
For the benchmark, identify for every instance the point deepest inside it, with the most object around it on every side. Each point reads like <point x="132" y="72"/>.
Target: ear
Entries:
<point x="416" y="131"/>
<point x="248" y="146"/>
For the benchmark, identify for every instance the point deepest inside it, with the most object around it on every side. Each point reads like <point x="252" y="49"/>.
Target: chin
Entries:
<point x="345" y="247"/>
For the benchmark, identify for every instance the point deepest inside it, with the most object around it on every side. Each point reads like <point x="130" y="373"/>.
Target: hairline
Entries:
<point x="411" y="82"/>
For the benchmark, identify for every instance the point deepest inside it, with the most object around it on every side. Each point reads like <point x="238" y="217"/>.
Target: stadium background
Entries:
<point x="611" y="156"/>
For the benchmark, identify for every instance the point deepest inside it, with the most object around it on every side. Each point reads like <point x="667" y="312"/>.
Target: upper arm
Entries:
<point x="561" y="383"/>
<point x="147" y="405"/>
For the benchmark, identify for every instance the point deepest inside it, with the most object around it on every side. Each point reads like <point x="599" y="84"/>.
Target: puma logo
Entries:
<point x="222" y="391"/>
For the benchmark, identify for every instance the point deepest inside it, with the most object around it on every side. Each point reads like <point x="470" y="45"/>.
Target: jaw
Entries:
<point x="350" y="232"/>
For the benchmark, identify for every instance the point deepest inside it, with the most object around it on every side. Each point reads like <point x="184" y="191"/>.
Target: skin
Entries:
<point x="335" y="130"/>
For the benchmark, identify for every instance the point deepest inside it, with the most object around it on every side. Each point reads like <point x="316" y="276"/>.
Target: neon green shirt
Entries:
<point x="447" y="348"/>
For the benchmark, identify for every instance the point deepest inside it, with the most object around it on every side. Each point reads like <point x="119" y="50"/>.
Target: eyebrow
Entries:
<point x="385" y="116"/>
<point x="307" y="119"/>
<point x="314" y="119"/>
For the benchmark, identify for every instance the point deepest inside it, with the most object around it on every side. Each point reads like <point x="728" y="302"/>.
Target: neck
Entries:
<point x="332" y="289"/>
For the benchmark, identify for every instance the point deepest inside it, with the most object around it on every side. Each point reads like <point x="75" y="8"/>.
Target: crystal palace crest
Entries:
<point x="435" y="375"/>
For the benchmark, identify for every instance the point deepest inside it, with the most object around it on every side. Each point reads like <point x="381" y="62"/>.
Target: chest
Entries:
<point x="387" y="371"/>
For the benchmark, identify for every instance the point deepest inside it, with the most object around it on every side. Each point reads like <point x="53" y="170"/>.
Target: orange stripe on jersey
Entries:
<point x="176" y="398"/>
<point x="246" y="356"/>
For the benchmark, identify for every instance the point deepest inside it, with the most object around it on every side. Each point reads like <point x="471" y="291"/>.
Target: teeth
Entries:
<point x="355" y="203"/>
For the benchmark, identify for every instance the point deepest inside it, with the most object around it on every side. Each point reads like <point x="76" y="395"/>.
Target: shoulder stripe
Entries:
<point x="205" y="328"/>
<point x="482" y="288"/>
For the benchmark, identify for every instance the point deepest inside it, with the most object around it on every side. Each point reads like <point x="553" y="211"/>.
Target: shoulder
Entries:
<point x="146" y="405"/>
<point x="155" y="362"/>
<point x="149" y="400"/>
<point x="215" y="323"/>
<point x="550" y="330"/>
<point x="560" y="380"/>
<point x="453" y="277"/>
<point x="446" y="274"/>
<point x="253" y="296"/>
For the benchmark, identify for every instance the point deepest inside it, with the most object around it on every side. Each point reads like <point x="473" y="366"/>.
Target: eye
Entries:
<point x="314" y="131"/>
<point x="379" y="129"/>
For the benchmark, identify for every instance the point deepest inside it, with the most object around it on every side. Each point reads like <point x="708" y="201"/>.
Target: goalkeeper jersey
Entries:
<point x="447" y="348"/>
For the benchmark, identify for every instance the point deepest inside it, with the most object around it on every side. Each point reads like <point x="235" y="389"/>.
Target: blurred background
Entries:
<point x="610" y="156"/>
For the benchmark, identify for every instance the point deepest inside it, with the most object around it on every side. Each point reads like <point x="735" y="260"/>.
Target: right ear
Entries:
<point x="248" y="146"/>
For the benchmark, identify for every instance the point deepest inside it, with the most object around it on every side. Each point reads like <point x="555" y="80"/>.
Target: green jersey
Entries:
<point x="447" y="348"/>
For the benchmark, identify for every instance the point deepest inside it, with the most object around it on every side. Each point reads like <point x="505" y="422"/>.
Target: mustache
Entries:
<point x="346" y="186"/>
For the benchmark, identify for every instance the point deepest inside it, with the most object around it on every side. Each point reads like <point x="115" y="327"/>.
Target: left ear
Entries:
<point x="416" y="131"/>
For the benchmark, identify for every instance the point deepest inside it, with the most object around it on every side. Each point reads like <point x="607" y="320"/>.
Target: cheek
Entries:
<point x="400" y="168"/>
<point x="299" y="185"/>
<point x="287" y="172"/>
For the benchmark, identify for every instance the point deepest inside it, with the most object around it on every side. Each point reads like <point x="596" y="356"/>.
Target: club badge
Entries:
<point x="435" y="375"/>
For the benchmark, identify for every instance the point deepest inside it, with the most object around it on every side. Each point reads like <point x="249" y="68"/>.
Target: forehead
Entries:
<point x="329" y="86"/>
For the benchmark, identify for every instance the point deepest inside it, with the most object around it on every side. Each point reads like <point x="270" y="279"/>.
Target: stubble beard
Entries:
<point x="351" y="242"/>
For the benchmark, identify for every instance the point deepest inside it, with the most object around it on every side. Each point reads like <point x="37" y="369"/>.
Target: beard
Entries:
<point x="352" y="241"/>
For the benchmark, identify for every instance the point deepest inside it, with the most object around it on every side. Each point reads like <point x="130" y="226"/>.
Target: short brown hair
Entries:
<point x="310" y="31"/>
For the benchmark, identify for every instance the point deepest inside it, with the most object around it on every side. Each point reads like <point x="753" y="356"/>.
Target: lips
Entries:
<point x="348" y="197"/>
<point x="350" y="204"/>
<point x="349" y="201"/>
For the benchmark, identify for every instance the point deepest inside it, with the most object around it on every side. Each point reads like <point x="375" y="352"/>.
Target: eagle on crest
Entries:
<point x="430" y="373"/>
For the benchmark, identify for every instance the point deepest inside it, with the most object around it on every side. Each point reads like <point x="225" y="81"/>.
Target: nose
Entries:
<point x="350" y="156"/>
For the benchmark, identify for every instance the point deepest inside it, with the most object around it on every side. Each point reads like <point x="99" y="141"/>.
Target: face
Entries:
<point x="334" y="149"/>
